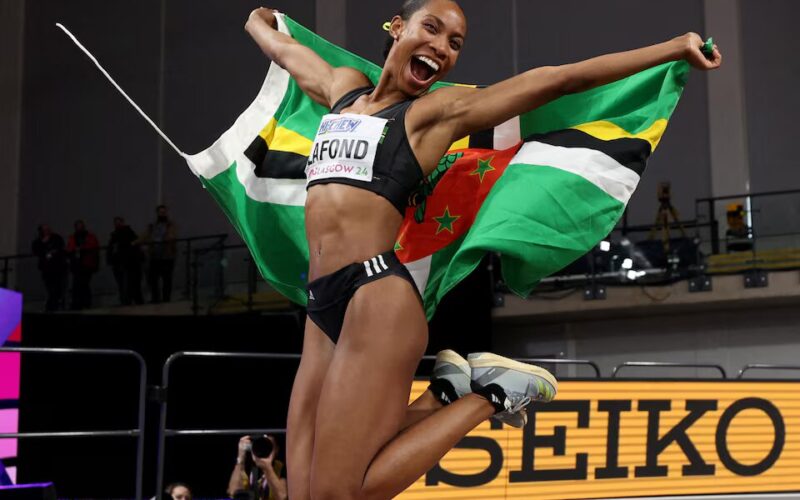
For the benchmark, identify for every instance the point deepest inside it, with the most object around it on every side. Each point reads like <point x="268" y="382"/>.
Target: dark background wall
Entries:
<point x="85" y="153"/>
<point x="772" y="105"/>
<point x="769" y="31"/>
<point x="12" y="14"/>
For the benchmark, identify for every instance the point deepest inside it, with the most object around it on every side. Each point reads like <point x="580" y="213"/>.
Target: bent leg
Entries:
<point x="364" y="402"/>
<point x="422" y="407"/>
<point x="317" y="355"/>
<point x="418" y="448"/>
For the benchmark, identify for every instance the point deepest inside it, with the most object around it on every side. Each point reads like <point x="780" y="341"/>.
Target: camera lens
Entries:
<point x="262" y="447"/>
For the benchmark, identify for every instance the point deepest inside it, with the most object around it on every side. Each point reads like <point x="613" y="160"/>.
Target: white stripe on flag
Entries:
<point x="420" y="270"/>
<point x="366" y="266"/>
<point x="375" y="265"/>
<point x="229" y="147"/>
<point x="385" y="267"/>
<point x="268" y="190"/>
<point x="594" y="166"/>
<point x="506" y="134"/>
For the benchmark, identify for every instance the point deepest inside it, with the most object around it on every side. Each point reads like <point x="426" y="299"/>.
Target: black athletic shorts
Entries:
<point x="329" y="295"/>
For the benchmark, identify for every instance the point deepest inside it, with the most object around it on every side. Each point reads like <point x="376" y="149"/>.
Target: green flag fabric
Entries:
<point x="541" y="189"/>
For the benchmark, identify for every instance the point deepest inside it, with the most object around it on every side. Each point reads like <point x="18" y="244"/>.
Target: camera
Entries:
<point x="260" y="446"/>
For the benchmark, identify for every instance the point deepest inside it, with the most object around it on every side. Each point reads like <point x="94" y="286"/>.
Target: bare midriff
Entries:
<point x="344" y="225"/>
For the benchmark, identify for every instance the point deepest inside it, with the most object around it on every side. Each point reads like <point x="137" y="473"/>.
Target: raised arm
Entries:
<point x="465" y="111"/>
<point x="318" y="79"/>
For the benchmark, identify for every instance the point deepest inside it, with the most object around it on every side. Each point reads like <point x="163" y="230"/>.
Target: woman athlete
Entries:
<point x="351" y="434"/>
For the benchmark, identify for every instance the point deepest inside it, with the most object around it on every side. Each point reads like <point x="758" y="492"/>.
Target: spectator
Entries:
<point x="178" y="491"/>
<point x="258" y="478"/>
<point x="125" y="260"/>
<point x="738" y="236"/>
<point x="48" y="247"/>
<point x="83" y="252"/>
<point x="160" y="244"/>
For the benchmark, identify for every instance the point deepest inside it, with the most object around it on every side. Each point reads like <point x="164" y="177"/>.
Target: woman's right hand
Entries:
<point x="265" y="14"/>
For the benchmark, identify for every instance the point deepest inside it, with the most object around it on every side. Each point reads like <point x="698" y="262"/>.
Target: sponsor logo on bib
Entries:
<point x="338" y="125"/>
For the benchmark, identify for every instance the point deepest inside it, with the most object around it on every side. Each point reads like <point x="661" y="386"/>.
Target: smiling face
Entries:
<point x="426" y="46"/>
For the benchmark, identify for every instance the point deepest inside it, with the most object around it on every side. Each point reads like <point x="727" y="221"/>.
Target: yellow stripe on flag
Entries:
<point x="607" y="131"/>
<point x="268" y="131"/>
<point x="283" y="139"/>
<point x="462" y="143"/>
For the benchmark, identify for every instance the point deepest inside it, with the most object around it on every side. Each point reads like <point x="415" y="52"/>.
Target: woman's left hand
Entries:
<point x="692" y="49"/>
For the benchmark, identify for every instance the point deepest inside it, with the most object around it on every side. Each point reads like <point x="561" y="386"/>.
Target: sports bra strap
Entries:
<point x="349" y="98"/>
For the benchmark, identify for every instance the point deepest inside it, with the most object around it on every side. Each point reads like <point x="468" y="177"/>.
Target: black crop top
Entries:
<point x="370" y="152"/>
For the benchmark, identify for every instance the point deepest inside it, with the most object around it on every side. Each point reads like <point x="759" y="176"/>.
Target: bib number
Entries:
<point x="345" y="147"/>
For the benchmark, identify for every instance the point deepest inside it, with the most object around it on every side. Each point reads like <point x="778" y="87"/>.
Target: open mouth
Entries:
<point x="423" y="68"/>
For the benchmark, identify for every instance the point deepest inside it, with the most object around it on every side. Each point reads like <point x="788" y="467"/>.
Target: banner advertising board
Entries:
<point x="10" y="335"/>
<point x="626" y="438"/>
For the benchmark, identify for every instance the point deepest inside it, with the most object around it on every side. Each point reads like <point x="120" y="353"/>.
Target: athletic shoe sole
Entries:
<point x="452" y="357"/>
<point x="453" y="368"/>
<point x="490" y="360"/>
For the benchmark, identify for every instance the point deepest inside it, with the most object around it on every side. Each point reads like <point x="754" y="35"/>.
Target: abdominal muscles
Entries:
<point x="345" y="224"/>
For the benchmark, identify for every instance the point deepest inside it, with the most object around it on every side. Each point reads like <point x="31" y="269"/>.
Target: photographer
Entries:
<point x="258" y="475"/>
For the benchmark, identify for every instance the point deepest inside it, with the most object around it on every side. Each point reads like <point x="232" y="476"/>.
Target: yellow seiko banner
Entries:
<point x="612" y="439"/>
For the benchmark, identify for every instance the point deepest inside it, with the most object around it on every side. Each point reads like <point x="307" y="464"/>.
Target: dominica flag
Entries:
<point x="541" y="189"/>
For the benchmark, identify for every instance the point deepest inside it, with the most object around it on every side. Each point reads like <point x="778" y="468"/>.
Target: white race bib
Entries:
<point x="345" y="146"/>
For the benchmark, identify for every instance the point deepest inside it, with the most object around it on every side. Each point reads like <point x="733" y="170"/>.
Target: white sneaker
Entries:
<point x="510" y="385"/>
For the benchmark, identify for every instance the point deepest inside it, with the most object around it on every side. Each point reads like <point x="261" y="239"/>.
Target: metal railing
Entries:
<point x="164" y="432"/>
<point x="21" y="272"/>
<point x="138" y="432"/>
<point x="162" y="393"/>
<point x="546" y="361"/>
<point x="208" y="270"/>
<point x="660" y="364"/>
<point x="749" y="200"/>
<point x="560" y="361"/>
<point x="766" y="238"/>
<point x="763" y="366"/>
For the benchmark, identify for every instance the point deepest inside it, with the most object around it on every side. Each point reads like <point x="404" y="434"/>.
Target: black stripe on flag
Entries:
<point x="482" y="140"/>
<point x="275" y="164"/>
<point x="631" y="153"/>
